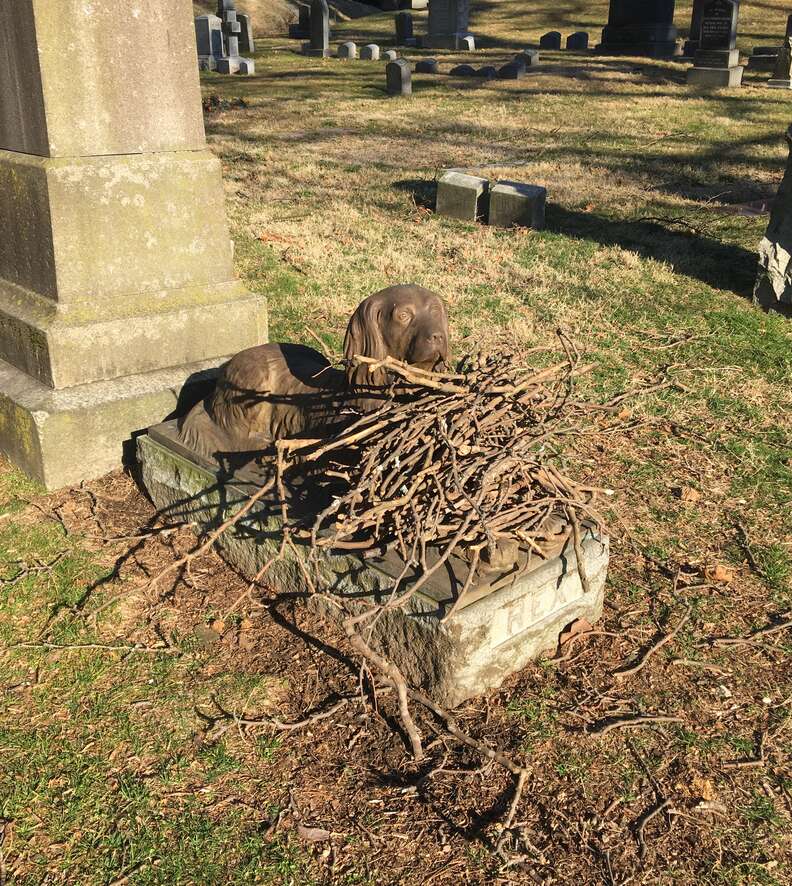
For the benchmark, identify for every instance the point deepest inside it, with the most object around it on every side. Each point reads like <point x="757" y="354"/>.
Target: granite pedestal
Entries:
<point x="511" y="615"/>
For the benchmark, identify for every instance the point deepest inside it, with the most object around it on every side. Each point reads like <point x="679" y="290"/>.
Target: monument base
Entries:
<point x="318" y="53"/>
<point x="62" y="437"/>
<point x="507" y="618"/>
<point x="780" y="84"/>
<point x="717" y="78"/>
<point x="652" y="41"/>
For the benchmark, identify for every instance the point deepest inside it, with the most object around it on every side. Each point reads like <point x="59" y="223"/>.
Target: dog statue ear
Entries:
<point x="364" y="339"/>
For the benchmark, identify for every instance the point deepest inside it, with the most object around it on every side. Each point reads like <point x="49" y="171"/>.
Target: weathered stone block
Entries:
<point x="715" y="78"/>
<point x="61" y="438"/>
<point x="513" y="204"/>
<point x="462" y="196"/>
<point x="71" y="70"/>
<point x="508" y="620"/>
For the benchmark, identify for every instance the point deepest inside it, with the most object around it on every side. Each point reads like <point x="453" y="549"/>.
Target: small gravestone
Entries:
<point x="511" y="71"/>
<point x="427" y="66"/>
<point x="513" y="204"/>
<point x="370" y="52"/>
<point x="404" y="28"/>
<point x="301" y="30"/>
<point x="782" y="75"/>
<point x="463" y="71"/>
<point x="347" y="50"/>
<point x="398" y="77"/>
<point x="528" y="58"/>
<point x="717" y="62"/>
<point x="640" y="27"/>
<point x="390" y="55"/>
<point x="488" y="72"/>
<point x="462" y="196"/>
<point x="763" y="58"/>
<point x="578" y="41"/>
<point x="209" y="40"/>
<point x="468" y="43"/>
<point x="320" y="30"/>
<point x="550" y="40"/>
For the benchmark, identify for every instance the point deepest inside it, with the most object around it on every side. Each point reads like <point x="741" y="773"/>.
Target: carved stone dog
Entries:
<point x="273" y="391"/>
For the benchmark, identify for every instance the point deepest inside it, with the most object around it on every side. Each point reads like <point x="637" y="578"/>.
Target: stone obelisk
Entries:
<point x="116" y="284"/>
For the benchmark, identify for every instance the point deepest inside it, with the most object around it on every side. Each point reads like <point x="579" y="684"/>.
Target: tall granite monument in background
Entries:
<point x="640" y="27"/>
<point x="116" y="279"/>
<point x="448" y="25"/>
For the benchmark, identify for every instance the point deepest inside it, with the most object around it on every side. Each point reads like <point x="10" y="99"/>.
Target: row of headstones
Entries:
<point x="221" y="38"/>
<point x="577" y="42"/>
<point x="506" y="204"/>
<point x="398" y="73"/>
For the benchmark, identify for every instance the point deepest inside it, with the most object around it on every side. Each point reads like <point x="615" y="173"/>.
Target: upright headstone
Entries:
<point x="773" y="290"/>
<point x="247" y="42"/>
<point x="347" y="50"/>
<point x="398" y="77"/>
<point x="209" y="39"/>
<point x="427" y="66"/>
<point x="448" y="24"/>
<point x="782" y="75"/>
<point x="301" y="29"/>
<point x="116" y="274"/>
<point x="320" y="30"/>
<point x="578" y="42"/>
<point x="370" y="52"/>
<point x="550" y="40"/>
<point x="717" y="61"/>
<point x="694" y="37"/>
<point x="404" y="28"/>
<point x="640" y="27"/>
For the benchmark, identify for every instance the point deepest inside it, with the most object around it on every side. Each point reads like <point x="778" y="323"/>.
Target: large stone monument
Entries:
<point x="448" y="25"/>
<point x="640" y="27"/>
<point x="116" y="278"/>
<point x="238" y="37"/>
<point x="319" y="43"/>
<point x="209" y="39"/>
<point x="773" y="290"/>
<point x="782" y="74"/>
<point x="717" y="61"/>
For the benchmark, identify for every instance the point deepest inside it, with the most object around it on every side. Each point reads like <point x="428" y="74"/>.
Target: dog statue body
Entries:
<point x="274" y="391"/>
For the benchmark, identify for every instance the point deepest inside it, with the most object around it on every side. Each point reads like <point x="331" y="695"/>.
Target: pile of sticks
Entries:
<point x="453" y="461"/>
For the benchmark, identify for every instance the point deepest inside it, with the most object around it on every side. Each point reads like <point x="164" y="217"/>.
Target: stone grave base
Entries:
<point x="510" y="617"/>
<point x="61" y="437"/>
<point x="715" y="77"/>
<point x="780" y="84"/>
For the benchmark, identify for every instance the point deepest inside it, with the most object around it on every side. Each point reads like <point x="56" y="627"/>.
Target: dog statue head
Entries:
<point x="408" y="323"/>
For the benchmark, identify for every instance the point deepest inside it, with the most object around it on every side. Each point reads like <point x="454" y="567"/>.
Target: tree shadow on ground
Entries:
<point x="724" y="266"/>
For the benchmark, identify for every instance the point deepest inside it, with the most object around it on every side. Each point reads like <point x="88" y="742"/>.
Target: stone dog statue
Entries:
<point x="273" y="391"/>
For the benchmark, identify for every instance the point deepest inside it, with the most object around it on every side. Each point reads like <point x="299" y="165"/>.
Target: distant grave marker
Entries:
<point x="550" y="40"/>
<point x="398" y="77"/>
<point x="717" y="62"/>
<point x="320" y="30"/>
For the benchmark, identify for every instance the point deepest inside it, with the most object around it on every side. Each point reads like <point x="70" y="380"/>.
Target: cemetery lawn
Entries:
<point x="114" y="768"/>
